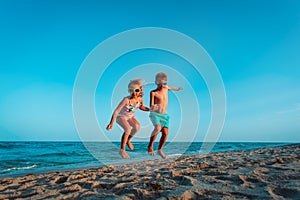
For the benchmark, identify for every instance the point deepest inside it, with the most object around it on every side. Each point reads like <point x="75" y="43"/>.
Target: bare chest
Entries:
<point x="160" y="96"/>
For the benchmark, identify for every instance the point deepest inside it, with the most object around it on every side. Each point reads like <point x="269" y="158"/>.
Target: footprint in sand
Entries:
<point x="284" y="192"/>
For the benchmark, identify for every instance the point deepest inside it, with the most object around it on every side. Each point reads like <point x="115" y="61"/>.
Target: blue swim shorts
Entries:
<point x="162" y="119"/>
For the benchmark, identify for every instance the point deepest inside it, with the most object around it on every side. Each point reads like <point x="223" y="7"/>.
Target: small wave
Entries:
<point x="174" y="155"/>
<point x="6" y="146"/>
<point x="20" y="168"/>
<point x="53" y="154"/>
<point x="226" y="147"/>
<point x="73" y="153"/>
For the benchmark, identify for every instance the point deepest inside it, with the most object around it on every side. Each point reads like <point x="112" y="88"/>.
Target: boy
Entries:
<point x="158" y="114"/>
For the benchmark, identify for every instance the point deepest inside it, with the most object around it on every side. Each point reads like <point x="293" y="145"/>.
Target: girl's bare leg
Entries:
<point x="156" y="130"/>
<point x="125" y="125"/>
<point x="163" y="139"/>
<point x="135" y="128"/>
<point x="129" y="144"/>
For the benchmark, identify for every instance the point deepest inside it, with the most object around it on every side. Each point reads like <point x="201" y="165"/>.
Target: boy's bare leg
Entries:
<point x="162" y="142"/>
<point x="150" y="145"/>
<point x="157" y="129"/>
<point x="135" y="128"/>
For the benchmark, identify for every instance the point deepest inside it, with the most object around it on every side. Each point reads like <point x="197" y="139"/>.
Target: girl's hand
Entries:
<point x="154" y="108"/>
<point x="109" y="126"/>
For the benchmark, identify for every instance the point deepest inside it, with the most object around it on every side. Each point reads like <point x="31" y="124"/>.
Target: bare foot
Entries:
<point x="150" y="151"/>
<point x="131" y="147"/>
<point x="123" y="154"/>
<point x="161" y="154"/>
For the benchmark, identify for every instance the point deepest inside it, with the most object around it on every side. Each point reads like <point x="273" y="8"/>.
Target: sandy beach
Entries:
<point x="271" y="173"/>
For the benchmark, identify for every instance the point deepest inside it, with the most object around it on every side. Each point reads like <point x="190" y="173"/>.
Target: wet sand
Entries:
<point x="271" y="173"/>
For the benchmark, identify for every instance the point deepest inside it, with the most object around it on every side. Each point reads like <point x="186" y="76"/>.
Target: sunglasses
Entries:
<point x="134" y="90"/>
<point x="165" y="83"/>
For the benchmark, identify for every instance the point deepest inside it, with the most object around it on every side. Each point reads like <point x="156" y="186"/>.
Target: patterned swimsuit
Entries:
<point x="129" y="109"/>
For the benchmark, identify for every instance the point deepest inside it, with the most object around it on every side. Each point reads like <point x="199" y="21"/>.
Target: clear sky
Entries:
<point x="255" y="45"/>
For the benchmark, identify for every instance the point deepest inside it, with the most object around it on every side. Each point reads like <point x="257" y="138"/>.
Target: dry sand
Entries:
<point x="271" y="173"/>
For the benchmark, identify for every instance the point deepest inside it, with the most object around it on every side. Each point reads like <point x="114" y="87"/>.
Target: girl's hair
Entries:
<point x="137" y="81"/>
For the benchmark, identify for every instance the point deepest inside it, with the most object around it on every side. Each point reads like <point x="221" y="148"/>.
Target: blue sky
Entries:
<point x="253" y="43"/>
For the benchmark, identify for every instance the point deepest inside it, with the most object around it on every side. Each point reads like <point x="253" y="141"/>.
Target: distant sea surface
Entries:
<point x="18" y="158"/>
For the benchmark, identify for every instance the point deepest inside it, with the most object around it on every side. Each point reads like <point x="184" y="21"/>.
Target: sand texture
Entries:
<point x="271" y="173"/>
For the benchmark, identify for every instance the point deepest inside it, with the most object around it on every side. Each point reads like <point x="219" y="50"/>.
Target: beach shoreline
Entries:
<point x="270" y="173"/>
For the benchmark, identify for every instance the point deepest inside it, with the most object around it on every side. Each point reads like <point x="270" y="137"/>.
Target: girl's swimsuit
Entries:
<point x="129" y="109"/>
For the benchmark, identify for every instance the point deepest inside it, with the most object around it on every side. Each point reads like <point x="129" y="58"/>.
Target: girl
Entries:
<point x="124" y="115"/>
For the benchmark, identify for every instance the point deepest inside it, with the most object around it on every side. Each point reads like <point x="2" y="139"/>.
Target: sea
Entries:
<point x="21" y="158"/>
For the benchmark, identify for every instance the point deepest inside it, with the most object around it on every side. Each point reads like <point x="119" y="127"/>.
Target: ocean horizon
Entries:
<point x="19" y="158"/>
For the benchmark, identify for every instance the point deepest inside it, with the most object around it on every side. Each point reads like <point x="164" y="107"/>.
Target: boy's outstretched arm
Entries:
<point x="115" y="114"/>
<point x="175" y="88"/>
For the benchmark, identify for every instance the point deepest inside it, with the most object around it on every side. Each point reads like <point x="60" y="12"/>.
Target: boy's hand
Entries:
<point x="109" y="126"/>
<point x="175" y="88"/>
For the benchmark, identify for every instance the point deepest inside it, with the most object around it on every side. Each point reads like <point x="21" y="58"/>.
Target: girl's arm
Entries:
<point x="116" y="112"/>
<point x="174" y="88"/>
<point x="142" y="107"/>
